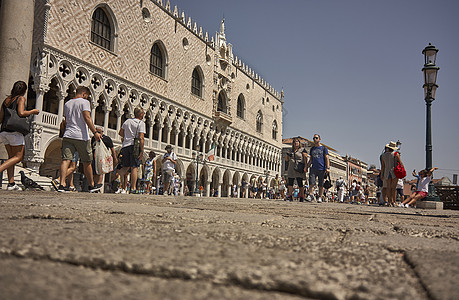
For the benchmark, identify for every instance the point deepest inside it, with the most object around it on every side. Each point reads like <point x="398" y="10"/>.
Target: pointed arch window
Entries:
<point x="101" y="29"/>
<point x="221" y="105"/>
<point x="241" y="106"/>
<point x="99" y="116"/>
<point x="112" y="116"/>
<point x="157" y="61"/>
<point x="259" y="121"/>
<point x="274" y="133"/>
<point x="51" y="98"/>
<point x="196" y="82"/>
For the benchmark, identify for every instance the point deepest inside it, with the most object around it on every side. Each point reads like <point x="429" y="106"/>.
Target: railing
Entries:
<point x="449" y="195"/>
<point x="49" y="118"/>
<point x="112" y="134"/>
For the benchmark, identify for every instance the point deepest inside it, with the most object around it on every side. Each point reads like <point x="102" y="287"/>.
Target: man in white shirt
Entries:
<point x="77" y="119"/>
<point x="131" y="129"/>
<point x="340" y="186"/>
<point x="169" y="161"/>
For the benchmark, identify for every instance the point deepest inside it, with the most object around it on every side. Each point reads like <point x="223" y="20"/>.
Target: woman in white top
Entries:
<point x="14" y="141"/>
<point x="389" y="160"/>
<point x="422" y="189"/>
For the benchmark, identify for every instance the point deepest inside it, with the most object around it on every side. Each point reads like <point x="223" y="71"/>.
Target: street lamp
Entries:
<point x="198" y="158"/>
<point x="430" y="71"/>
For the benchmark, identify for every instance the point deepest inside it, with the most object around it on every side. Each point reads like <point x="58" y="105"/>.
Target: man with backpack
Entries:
<point x="320" y="167"/>
<point x="130" y="157"/>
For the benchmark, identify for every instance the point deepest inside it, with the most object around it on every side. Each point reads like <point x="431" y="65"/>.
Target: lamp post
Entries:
<point x="430" y="71"/>
<point x="198" y="158"/>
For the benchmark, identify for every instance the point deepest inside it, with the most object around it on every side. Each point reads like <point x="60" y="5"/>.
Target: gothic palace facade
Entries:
<point x="194" y="91"/>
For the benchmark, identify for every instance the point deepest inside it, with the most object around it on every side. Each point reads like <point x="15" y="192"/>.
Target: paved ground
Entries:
<point x="92" y="246"/>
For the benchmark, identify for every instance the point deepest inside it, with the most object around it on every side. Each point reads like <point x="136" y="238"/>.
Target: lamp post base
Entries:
<point x="196" y="194"/>
<point x="429" y="204"/>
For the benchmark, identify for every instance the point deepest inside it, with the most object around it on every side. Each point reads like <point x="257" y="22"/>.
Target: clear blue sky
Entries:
<point x="351" y="70"/>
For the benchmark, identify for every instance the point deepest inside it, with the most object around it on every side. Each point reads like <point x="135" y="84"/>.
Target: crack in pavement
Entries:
<point x="412" y="267"/>
<point x="161" y="272"/>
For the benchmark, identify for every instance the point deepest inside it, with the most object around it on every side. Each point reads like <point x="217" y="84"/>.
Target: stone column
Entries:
<point x="106" y="115"/>
<point x="150" y="132"/>
<point x="191" y="141"/>
<point x="183" y="141"/>
<point x="208" y="189"/>
<point x="93" y="113"/>
<point x="230" y="190"/>
<point x="168" y="135"/>
<point x="16" y="32"/>
<point x="118" y="124"/>
<point x="219" y="188"/>
<point x="40" y="91"/>
<point x="60" y="111"/>
<point x="160" y="133"/>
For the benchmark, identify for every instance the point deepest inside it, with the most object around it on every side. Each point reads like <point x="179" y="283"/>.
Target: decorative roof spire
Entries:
<point x="222" y="27"/>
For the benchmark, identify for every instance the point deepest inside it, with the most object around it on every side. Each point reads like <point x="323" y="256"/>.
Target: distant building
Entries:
<point x="356" y="170"/>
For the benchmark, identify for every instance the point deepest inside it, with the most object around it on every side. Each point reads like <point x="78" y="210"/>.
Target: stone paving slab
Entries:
<point x="48" y="280"/>
<point x="106" y="246"/>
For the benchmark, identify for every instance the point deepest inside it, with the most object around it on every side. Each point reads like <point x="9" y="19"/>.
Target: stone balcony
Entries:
<point x="223" y="118"/>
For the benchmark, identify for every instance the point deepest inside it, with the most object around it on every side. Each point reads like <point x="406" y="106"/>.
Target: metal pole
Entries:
<point x="196" y="188"/>
<point x="432" y="195"/>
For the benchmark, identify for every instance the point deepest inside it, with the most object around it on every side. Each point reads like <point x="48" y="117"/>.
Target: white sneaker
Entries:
<point x="401" y="205"/>
<point x="407" y="205"/>
<point x="319" y="200"/>
<point x="14" y="187"/>
<point x="123" y="191"/>
<point x="308" y="198"/>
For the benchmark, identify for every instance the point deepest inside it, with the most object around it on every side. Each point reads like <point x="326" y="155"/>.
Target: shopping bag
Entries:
<point x="102" y="158"/>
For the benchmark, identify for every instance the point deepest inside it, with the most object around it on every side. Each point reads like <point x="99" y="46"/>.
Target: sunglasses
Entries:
<point x="316" y="138"/>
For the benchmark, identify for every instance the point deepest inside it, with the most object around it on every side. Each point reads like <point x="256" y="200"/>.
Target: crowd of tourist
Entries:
<point x="129" y="172"/>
